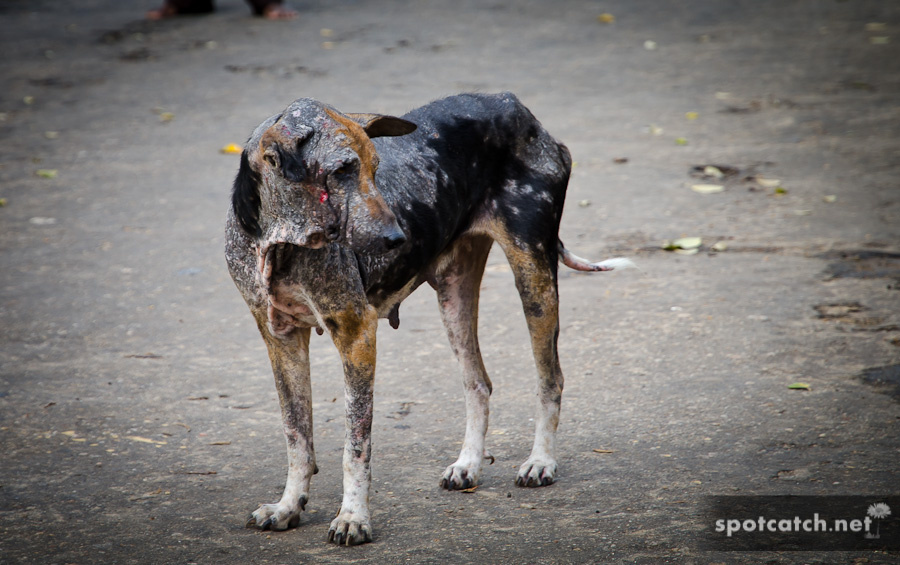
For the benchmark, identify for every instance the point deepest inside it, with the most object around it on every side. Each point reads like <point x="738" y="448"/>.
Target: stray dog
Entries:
<point x="336" y="218"/>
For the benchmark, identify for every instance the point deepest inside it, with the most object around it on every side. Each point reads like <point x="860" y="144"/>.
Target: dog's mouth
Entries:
<point x="268" y="258"/>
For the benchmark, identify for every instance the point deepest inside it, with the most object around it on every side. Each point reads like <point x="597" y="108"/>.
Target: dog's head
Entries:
<point x="307" y="177"/>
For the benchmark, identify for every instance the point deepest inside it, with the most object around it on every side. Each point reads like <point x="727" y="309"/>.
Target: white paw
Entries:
<point x="459" y="476"/>
<point x="350" y="529"/>
<point x="536" y="472"/>
<point x="279" y="516"/>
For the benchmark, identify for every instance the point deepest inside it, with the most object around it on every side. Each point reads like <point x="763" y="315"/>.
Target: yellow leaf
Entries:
<point x="687" y="243"/>
<point x="798" y="386"/>
<point x="606" y="18"/>
<point x="691" y="115"/>
<point x="47" y="173"/>
<point x="231" y="149"/>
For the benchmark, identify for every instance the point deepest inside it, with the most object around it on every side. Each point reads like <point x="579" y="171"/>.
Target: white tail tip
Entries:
<point x="615" y="263"/>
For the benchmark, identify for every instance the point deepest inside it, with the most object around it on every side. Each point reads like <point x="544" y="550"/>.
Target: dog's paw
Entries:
<point x="349" y="529"/>
<point x="459" y="477"/>
<point x="277" y="516"/>
<point x="536" y="473"/>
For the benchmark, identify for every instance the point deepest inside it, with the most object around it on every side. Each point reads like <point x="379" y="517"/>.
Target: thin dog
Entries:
<point x="336" y="218"/>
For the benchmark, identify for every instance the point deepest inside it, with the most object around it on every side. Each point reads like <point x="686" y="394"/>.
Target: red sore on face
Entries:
<point x="323" y="197"/>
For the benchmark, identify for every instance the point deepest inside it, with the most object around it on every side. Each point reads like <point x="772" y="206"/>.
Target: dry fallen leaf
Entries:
<point x="767" y="183"/>
<point x="713" y="171"/>
<point x="707" y="188"/>
<point x="606" y="18"/>
<point x="140" y="439"/>
<point x="683" y="243"/>
<point x="47" y="173"/>
<point x="604" y="451"/>
<point x="691" y="115"/>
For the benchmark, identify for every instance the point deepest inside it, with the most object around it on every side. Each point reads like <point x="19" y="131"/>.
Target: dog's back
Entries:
<point x="473" y="159"/>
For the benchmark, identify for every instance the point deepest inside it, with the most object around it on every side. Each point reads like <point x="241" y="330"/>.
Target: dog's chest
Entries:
<point x="289" y="306"/>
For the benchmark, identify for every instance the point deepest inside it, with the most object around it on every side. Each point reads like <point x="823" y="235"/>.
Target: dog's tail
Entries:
<point x="573" y="261"/>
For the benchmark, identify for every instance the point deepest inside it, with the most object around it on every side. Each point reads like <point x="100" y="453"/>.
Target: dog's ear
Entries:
<point x="377" y="125"/>
<point x="245" y="197"/>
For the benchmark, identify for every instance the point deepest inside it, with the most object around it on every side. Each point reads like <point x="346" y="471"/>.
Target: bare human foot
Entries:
<point x="167" y="10"/>
<point x="276" y="11"/>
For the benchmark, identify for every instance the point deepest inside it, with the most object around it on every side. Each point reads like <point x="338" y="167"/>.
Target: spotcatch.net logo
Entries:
<point x="807" y="523"/>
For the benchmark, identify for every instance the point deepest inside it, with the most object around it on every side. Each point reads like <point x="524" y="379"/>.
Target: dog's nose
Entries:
<point x="393" y="238"/>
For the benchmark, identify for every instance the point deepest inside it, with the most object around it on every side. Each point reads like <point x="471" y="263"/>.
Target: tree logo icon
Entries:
<point x="878" y="511"/>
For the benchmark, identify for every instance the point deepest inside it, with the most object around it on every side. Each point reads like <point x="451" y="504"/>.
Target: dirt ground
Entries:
<point x="138" y="418"/>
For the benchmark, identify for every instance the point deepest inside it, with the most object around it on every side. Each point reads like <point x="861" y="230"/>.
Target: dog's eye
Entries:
<point x="344" y="170"/>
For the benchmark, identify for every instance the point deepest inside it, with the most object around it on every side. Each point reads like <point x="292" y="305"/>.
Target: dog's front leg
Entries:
<point x="290" y="364"/>
<point x="353" y="332"/>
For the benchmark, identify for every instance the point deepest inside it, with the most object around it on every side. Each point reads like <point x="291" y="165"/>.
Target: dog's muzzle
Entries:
<point x="393" y="237"/>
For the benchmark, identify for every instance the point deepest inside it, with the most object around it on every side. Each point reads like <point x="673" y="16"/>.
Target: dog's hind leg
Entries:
<point x="534" y="267"/>
<point x="290" y="363"/>
<point x="457" y="281"/>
